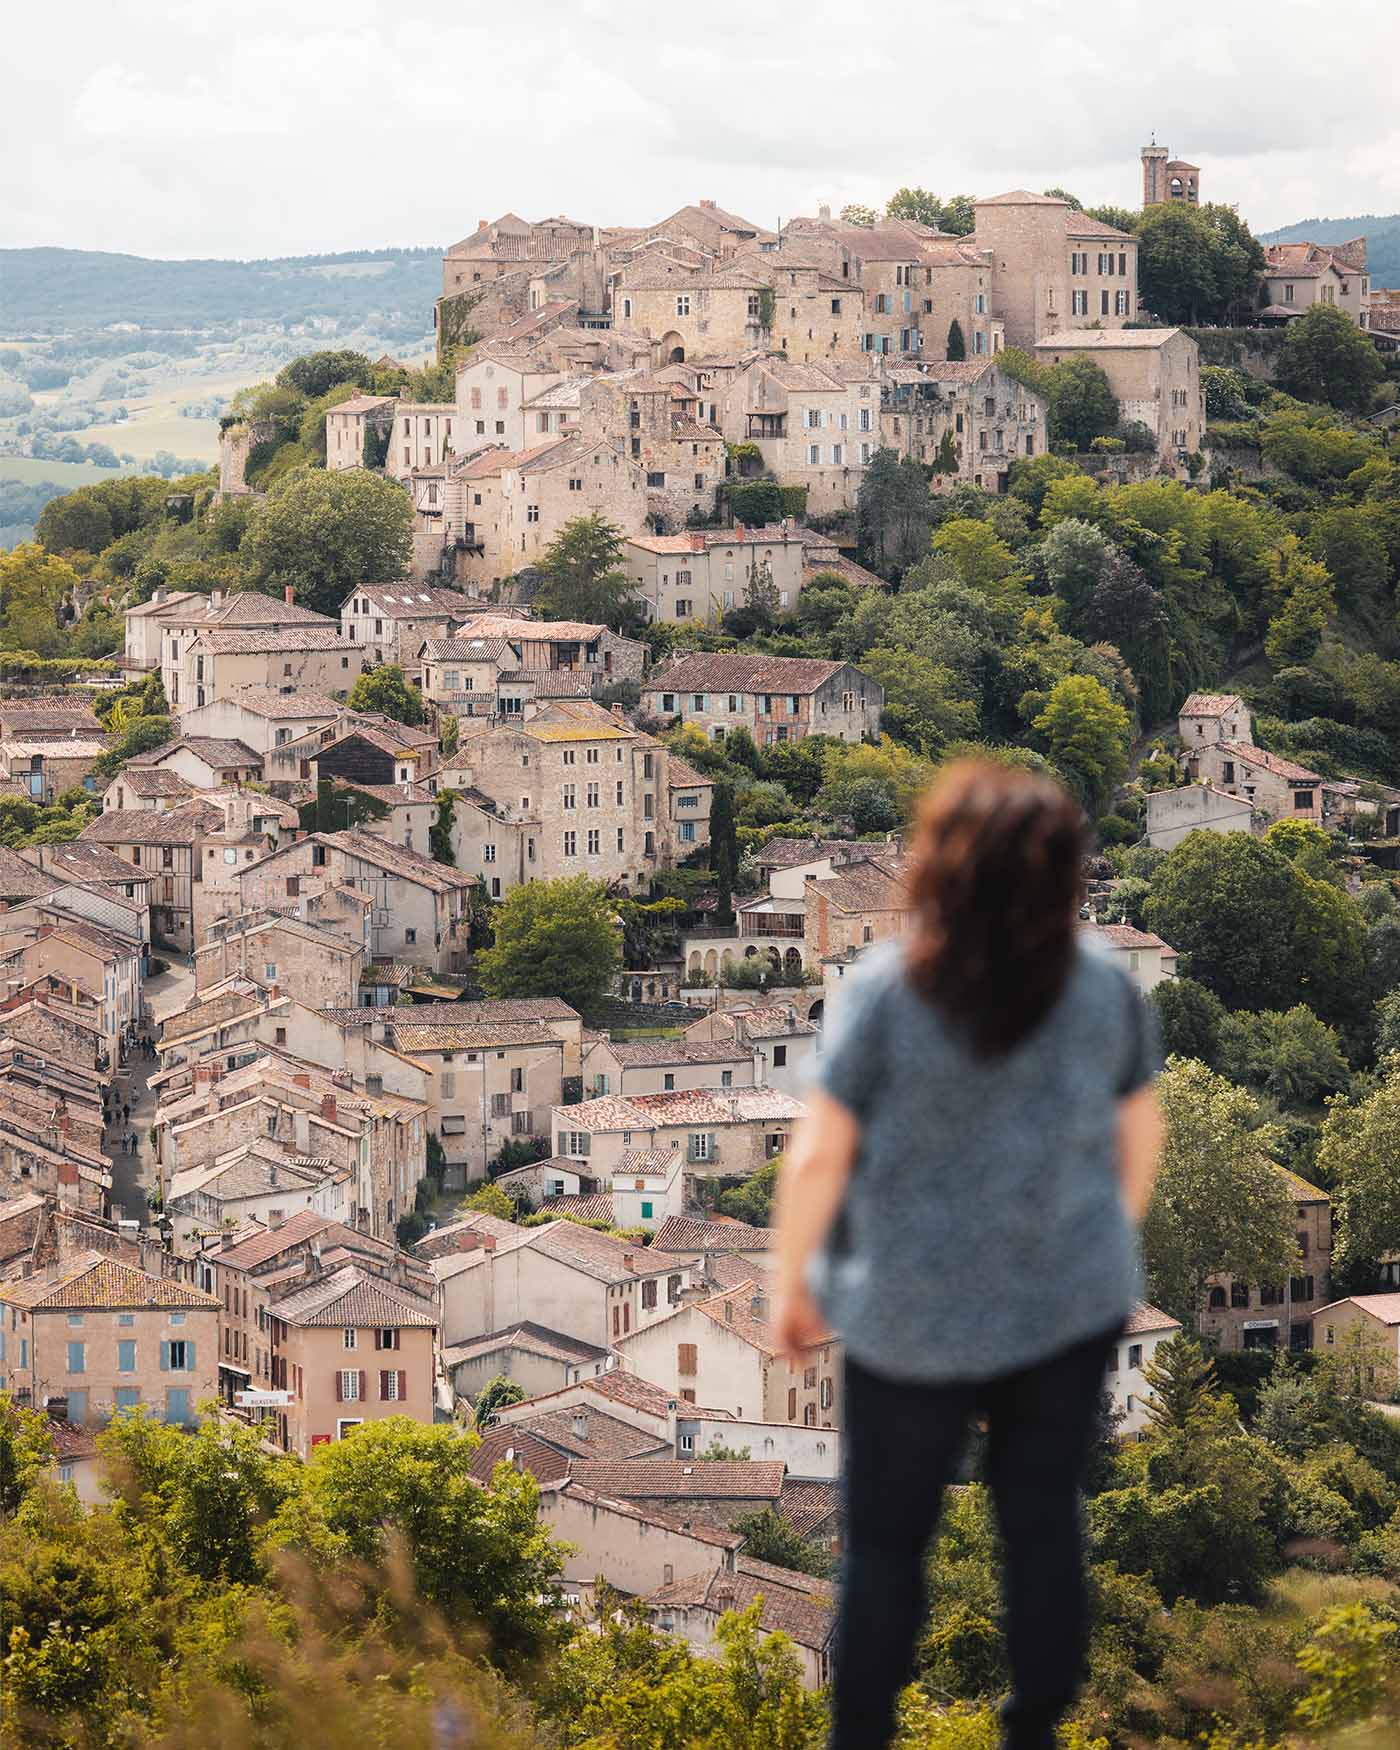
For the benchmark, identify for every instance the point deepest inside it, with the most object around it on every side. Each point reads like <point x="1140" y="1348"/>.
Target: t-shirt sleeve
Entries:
<point x="852" y="1054"/>
<point x="1142" y="1043"/>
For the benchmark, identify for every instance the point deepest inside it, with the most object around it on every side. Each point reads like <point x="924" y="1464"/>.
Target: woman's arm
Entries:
<point x="811" y="1189"/>
<point x="1140" y="1134"/>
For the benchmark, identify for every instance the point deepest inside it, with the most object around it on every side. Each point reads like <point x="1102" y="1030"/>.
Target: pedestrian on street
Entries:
<point x="986" y="1073"/>
<point x="126" y="1113"/>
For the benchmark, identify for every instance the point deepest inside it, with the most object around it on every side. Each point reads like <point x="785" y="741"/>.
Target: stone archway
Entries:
<point x="711" y="965"/>
<point x="792" y="961"/>
<point x="692" y="966"/>
<point x="672" y="348"/>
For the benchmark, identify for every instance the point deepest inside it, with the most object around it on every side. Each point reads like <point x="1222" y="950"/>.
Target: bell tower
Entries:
<point x="1154" y="173"/>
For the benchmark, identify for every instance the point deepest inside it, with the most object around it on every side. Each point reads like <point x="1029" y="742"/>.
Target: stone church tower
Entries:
<point x="1165" y="178"/>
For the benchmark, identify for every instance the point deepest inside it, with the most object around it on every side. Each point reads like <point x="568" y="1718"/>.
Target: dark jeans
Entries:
<point x="903" y="1444"/>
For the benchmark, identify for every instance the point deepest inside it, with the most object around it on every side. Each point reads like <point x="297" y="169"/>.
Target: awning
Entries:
<point x="232" y="1367"/>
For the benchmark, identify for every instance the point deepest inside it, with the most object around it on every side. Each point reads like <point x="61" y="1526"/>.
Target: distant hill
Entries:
<point x="1382" y="234"/>
<point x="47" y="291"/>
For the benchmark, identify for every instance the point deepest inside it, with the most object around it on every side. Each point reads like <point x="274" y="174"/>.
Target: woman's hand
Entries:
<point x="798" y="1323"/>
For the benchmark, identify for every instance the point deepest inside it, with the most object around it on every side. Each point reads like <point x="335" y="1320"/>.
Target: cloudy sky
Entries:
<point x="181" y="128"/>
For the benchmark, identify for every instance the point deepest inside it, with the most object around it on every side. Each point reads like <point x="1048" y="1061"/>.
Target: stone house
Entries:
<point x="1172" y="814"/>
<point x="564" y="647"/>
<point x="633" y="1547"/>
<point x="245" y="611"/>
<point x="349" y="425"/>
<point x="537" y="1359"/>
<point x="246" y="1270"/>
<point x="856" y="904"/>
<point x="254" y="1182"/>
<point x="725" y="1133"/>
<point x="703" y="573"/>
<point x="656" y="421"/>
<point x="1273" y="786"/>
<point x="50" y="1028"/>
<point x="993" y="420"/>
<point x="51" y="1145"/>
<point x="776" y="698"/>
<point x="1298" y="275"/>
<point x="797" y="1606"/>
<point x="359" y="747"/>
<point x="419" y="906"/>
<point x="665" y="1066"/>
<point x="350" y="1348"/>
<point x="494" y="384"/>
<point x="261" y="718"/>
<point x="1377" y="1314"/>
<point x="166" y="845"/>
<point x="721" y="1351"/>
<point x="421" y="434"/>
<point x="216" y="665"/>
<point x="1125" y="1381"/>
<point x="1155" y="373"/>
<point x="94" y="1336"/>
<point x="323" y="968"/>
<point x="1242" y="1315"/>
<point x="391" y="621"/>
<point x="147" y="786"/>
<point x="1054" y="269"/>
<point x="488" y="1083"/>
<point x="815" y="425"/>
<point x="1144" y="958"/>
<point x="91" y="968"/>
<point x="47" y="717"/>
<point x="142" y="623"/>
<point x="42" y="768"/>
<point x="784" y="1046"/>
<point x="93" y="868"/>
<point x="563" y="1276"/>
<point x="1206" y="718"/>
<point x="571" y="790"/>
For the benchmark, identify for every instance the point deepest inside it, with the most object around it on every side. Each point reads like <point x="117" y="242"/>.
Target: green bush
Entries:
<point x="1108" y="446"/>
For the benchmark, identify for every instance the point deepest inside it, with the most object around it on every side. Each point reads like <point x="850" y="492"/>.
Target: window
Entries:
<point x="655" y="479"/>
<point x="683" y="305"/>
<point x="814" y="455"/>
<point x="648" y="1288"/>
<point x="349" y="1337"/>
<point x="77" y="1358"/>
<point x="594" y="841"/>
<point x="1135" y="1355"/>
<point x="347" y="1388"/>
<point x="1103" y="302"/>
<point x="488" y="853"/>
<point x="177" y="1404"/>
<point x="410" y="936"/>
<point x="393" y="1385"/>
<point x="1120" y="303"/>
<point x="686" y="1358"/>
<point x="1079" y="303"/>
<point x="569" y="796"/>
<point x="1302" y="799"/>
<point x="700" y="1145"/>
<point x="126" y="1355"/>
<point x="591" y="791"/>
<point x="779" y="1056"/>
<point x="177" y="1356"/>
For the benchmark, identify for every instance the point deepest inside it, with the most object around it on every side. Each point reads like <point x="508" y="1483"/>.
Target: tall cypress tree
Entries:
<point x="957" y="346"/>
<point x="724" y="851"/>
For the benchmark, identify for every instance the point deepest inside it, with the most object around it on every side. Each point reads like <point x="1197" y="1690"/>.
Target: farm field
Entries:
<point x="32" y="472"/>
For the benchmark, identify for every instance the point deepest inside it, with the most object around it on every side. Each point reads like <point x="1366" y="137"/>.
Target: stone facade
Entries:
<point x="1172" y="814"/>
<point x="814" y="425"/>
<point x="991" y="418"/>
<point x="1053" y="269"/>
<point x="702" y="574"/>
<point x="776" y="698"/>
<point x="1241" y="1315"/>
<point x="391" y="622"/>
<point x="216" y="665"/>
<point x="1274" y="787"/>
<point x="323" y="969"/>
<point x="349" y="425"/>
<point x="1155" y="373"/>
<point x="1299" y="275"/>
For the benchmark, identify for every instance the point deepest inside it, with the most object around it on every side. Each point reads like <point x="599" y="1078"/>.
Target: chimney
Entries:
<point x="707" y="204"/>
<point x="158" y="595"/>
<point x="580" y="1424"/>
<point x="328" y="1108"/>
<point x="488" y="1242"/>
<point x="627" y="1260"/>
<point x="824" y="211"/>
<point x="729" y="1312"/>
<point x="301" y="1079"/>
<point x="738" y="531"/>
<point x="287" y="594"/>
<point x="619" y="713"/>
<point x="310" y="1267"/>
<point x="227" y="1240"/>
<point x="57" y="1408"/>
<point x="216" y="598"/>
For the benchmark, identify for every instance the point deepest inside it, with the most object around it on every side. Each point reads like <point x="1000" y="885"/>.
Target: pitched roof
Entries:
<point x="1149" y="1318"/>
<point x="396" y="859"/>
<point x="271" y="643"/>
<point x="1210" y="704"/>
<point x="151" y="826"/>
<point x="1250" y="755"/>
<point x="684" y="1233"/>
<point x="215" y="750"/>
<point x="83" y="860"/>
<point x="268" y="702"/>
<point x="872" y="884"/>
<point x="1125" y="936"/>
<point x="734" y="671"/>
<point x="466" y="1035"/>
<point x="597" y="1255"/>
<point x="154" y="781"/>
<point x="529" y="1338"/>
<point x="673" y="1479"/>
<point x="1385" y="1307"/>
<point x="257" y="1248"/>
<point x="643" y="1053"/>
<point x="93" y="1281"/>
<point x="351" y="1296"/>
<point x="797" y="1605"/>
<point x="1106" y="339"/>
<point x="409" y="600"/>
<point x="732" y="1308"/>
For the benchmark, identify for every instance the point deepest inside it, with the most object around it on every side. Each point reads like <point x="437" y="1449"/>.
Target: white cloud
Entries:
<point x="161" y="127"/>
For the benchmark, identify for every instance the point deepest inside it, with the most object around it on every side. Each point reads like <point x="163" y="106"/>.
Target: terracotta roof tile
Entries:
<point x="736" y="672"/>
<point x="674" y="1479"/>
<point x="99" y="1283"/>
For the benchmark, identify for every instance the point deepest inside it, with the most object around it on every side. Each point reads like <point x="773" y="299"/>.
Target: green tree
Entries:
<point x="916" y="204"/>
<point x="1221" y="1207"/>
<point x="1292" y="1056"/>
<point x="325" y="533"/>
<point x="583" y="575"/>
<point x="1357" y="1155"/>
<point x="1306" y="603"/>
<point x="1032" y="477"/>
<point x="1081" y="406"/>
<point x="982" y="560"/>
<point x="384" y="692"/>
<point x="1350" y="1661"/>
<point x="489" y="1199"/>
<point x="1306" y="846"/>
<point x="141" y="735"/>
<point x="553" y="938"/>
<point x="959" y="215"/>
<point x="315" y="372"/>
<point x="724" y="851"/>
<point x="769" y="1537"/>
<point x="946" y="461"/>
<point x="26" y="1452"/>
<point x="752" y="1201"/>
<point x="1327" y="358"/>
<point x="1121" y="218"/>
<point x="74" y="523"/>
<point x="1189" y="1017"/>
<point x="921" y="706"/>
<point x="33" y="587"/>
<point x="1085" y="732"/>
<point x="957" y="343"/>
<point x="854" y="213"/>
<point x="477" y="1555"/>
<point x="893" y="511"/>
<point x="1182" y="1385"/>
<point x="495" y="1395"/>
<point x="1196" y="265"/>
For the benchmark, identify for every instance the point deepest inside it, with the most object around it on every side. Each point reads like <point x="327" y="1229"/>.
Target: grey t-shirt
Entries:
<point x="983" y="1227"/>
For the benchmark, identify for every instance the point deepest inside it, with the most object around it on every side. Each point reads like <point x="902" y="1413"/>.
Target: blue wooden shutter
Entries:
<point x="165" y="1357"/>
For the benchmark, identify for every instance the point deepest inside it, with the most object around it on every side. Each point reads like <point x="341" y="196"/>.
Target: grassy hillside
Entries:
<point x="1382" y="233"/>
<point x="51" y="290"/>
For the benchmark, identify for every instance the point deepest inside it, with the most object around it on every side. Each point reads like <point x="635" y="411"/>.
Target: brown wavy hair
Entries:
<point x="996" y="886"/>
